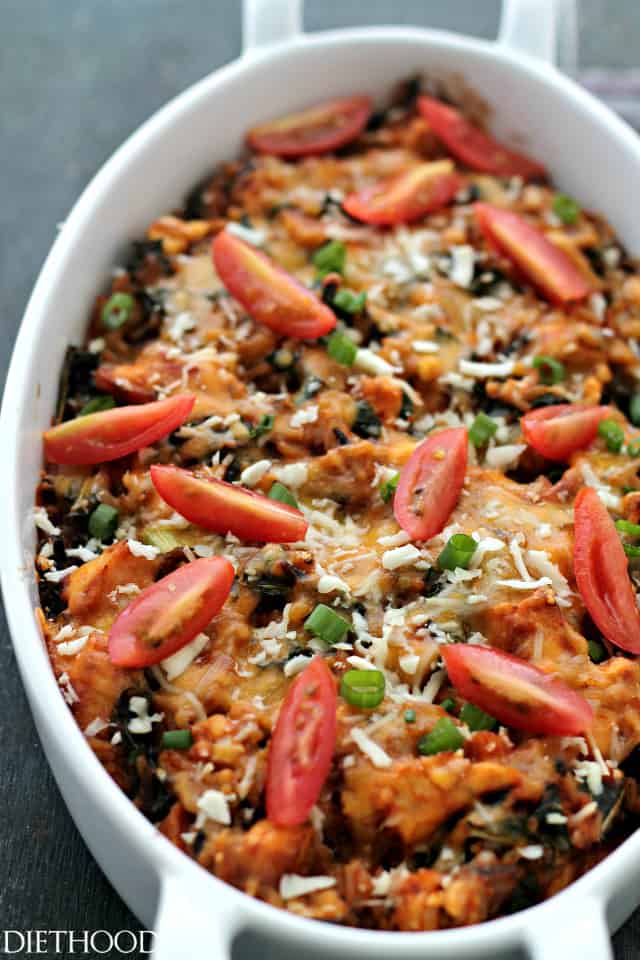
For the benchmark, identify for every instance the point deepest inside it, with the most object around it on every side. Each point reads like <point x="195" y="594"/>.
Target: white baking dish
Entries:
<point x="589" y="151"/>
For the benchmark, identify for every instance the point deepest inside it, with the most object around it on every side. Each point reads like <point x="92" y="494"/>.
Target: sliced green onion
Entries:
<point x="613" y="435"/>
<point x="597" y="651"/>
<point x="103" y="522"/>
<point x="566" y="208"/>
<point x="327" y="624"/>
<point x="625" y="526"/>
<point x="388" y="487"/>
<point x="457" y="552"/>
<point x="97" y="405"/>
<point x="444" y="736"/>
<point x="634" y="410"/>
<point x="448" y="704"/>
<point x="264" y="425"/>
<point x="549" y="369"/>
<point x="633" y="449"/>
<point x="482" y="429"/>
<point x="363" y="688"/>
<point x="342" y="348"/>
<point x="161" y="538"/>
<point x="117" y="310"/>
<point x="330" y="258"/>
<point x="410" y="716"/>
<point x="283" y="494"/>
<point x="177" y="739"/>
<point x="477" y="719"/>
<point x="349" y="301"/>
<point x="630" y="550"/>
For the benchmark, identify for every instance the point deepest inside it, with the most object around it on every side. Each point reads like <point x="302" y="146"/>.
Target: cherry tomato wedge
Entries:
<point x="602" y="573"/>
<point x="269" y="293"/>
<point x="301" y="746"/>
<point x="423" y="189"/>
<point x="514" y="691"/>
<point x="473" y="146"/>
<point x="320" y="129"/>
<point x="558" y="431"/>
<point x="226" y="508"/>
<point x="123" y="381"/>
<point x="111" y="434"/>
<point x="430" y="483"/>
<point x="170" y="613"/>
<point x="545" y="265"/>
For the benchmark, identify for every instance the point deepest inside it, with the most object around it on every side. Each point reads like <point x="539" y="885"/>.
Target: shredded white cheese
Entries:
<point x="292" y="475"/>
<point x="138" y="549"/>
<point x="329" y="583"/>
<point x="292" y="885"/>
<point x="475" y="368"/>
<point x="55" y="576"/>
<point x="462" y="265"/>
<point x="254" y="473"/>
<point x="369" y="362"/>
<point x="305" y="415"/>
<point x="501" y="458"/>
<point x="71" y="647"/>
<point x="400" y="556"/>
<point x="142" y="722"/>
<point x="214" y="806"/>
<point x="42" y="522"/>
<point x="375" y="753"/>
<point x="178" y="662"/>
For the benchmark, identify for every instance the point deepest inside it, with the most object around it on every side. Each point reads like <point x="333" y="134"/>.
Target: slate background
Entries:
<point x="76" y="77"/>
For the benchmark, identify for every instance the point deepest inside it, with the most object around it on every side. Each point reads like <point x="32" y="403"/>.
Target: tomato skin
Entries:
<point x="601" y="570"/>
<point x="558" y="431"/>
<point x="423" y="189"/>
<point x="170" y="613"/>
<point x="319" y="129"/>
<point x="227" y="508"/>
<point x="113" y="380"/>
<point x="112" y="434"/>
<point x="267" y="292"/>
<point x="546" y="266"/>
<point x="302" y="746"/>
<point x="473" y="146"/>
<point x="436" y="470"/>
<point x="515" y="692"/>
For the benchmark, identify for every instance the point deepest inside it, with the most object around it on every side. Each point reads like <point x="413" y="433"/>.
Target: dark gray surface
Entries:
<point x="76" y="77"/>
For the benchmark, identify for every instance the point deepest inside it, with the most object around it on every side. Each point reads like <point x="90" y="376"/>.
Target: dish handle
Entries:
<point x="265" y="22"/>
<point x="580" y="933"/>
<point x="545" y="29"/>
<point x="188" y="930"/>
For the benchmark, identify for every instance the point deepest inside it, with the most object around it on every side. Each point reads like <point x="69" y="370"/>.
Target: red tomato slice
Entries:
<point x="170" y="613"/>
<point x="318" y="130"/>
<point x="473" y="146"/>
<point x="226" y="508"/>
<point x="544" y="264"/>
<point x="269" y="293"/>
<point x="115" y="433"/>
<point x="115" y="380"/>
<point x="514" y="691"/>
<point x="602" y="573"/>
<point x="425" y="188"/>
<point x="430" y="483"/>
<point x="301" y="746"/>
<point x="558" y="431"/>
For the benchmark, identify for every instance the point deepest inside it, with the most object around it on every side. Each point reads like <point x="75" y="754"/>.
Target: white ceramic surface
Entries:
<point x="588" y="150"/>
